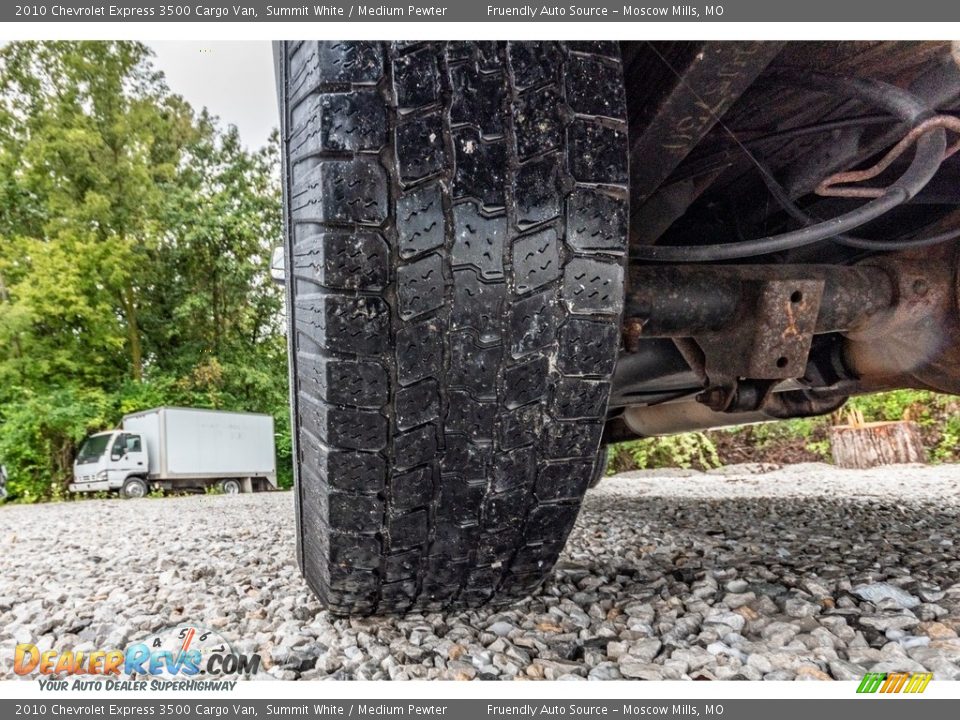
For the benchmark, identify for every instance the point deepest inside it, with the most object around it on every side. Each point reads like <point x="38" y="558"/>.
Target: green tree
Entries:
<point x="135" y="237"/>
<point x="93" y="142"/>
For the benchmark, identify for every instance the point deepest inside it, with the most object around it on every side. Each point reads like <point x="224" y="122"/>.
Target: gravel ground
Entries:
<point x="805" y="572"/>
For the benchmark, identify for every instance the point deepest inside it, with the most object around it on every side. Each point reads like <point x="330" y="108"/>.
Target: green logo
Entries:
<point x="901" y="682"/>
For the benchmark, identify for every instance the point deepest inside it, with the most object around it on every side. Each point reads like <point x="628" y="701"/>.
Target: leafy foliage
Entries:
<point x="687" y="450"/>
<point x="39" y="437"/>
<point x="800" y="439"/>
<point x="135" y="236"/>
<point x="937" y="415"/>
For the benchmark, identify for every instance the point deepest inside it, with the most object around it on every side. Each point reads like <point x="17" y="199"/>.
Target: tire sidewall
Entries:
<point x="600" y="468"/>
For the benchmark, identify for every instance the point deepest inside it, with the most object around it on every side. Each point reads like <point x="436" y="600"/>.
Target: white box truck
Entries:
<point x="179" y="449"/>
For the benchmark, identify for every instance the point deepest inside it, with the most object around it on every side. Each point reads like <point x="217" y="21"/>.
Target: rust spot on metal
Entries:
<point x="632" y="334"/>
<point x="828" y="187"/>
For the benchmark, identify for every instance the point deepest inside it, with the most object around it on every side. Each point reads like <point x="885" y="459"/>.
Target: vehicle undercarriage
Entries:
<point x="792" y="230"/>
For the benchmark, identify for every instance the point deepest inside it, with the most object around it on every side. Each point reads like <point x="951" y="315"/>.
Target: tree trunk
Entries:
<point x="876" y="443"/>
<point x="133" y="333"/>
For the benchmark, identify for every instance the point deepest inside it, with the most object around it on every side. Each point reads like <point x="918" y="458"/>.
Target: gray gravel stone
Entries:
<point x="737" y="586"/>
<point x="889" y="622"/>
<point x="779" y="633"/>
<point x="722" y="616"/>
<point x="760" y="662"/>
<point x="875" y="592"/>
<point x="789" y="574"/>
<point x="843" y="670"/>
<point x="799" y="608"/>
<point x="643" y="651"/>
<point x="722" y="649"/>
<point x="501" y="628"/>
<point x="617" y="649"/>
<point x="735" y="600"/>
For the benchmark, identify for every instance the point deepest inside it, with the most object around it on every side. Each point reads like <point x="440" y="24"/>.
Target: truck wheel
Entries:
<point x="230" y="487"/>
<point x="134" y="488"/>
<point x="456" y="221"/>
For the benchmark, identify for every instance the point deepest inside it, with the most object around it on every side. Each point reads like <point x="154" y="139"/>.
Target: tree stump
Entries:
<point x="868" y="445"/>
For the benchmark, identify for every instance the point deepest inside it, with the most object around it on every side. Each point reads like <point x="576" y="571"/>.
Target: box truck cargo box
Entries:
<point x="180" y="448"/>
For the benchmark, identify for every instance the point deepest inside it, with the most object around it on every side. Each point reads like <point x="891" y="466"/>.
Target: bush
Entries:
<point x="41" y="433"/>
<point x="40" y="438"/>
<point x="688" y="450"/>
<point x="798" y="440"/>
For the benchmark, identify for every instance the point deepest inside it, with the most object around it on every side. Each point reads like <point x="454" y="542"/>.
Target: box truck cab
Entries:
<point x="111" y="461"/>
<point x="179" y="449"/>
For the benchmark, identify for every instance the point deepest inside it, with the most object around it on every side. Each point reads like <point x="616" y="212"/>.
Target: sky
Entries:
<point x="233" y="80"/>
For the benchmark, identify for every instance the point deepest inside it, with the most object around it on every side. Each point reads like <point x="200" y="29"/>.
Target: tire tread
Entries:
<point x="457" y="228"/>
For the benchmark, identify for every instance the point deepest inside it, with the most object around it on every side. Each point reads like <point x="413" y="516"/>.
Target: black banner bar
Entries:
<point x="473" y="11"/>
<point x="184" y="708"/>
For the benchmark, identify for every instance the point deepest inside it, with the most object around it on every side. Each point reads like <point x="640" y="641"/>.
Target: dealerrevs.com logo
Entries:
<point x="186" y="657"/>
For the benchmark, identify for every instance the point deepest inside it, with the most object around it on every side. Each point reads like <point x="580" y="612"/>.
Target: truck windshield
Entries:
<point x="93" y="448"/>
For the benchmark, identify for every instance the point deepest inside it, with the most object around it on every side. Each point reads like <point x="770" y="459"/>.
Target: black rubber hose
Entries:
<point x="783" y="199"/>
<point x="775" y="243"/>
<point x="887" y="245"/>
<point x="926" y="161"/>
<point x="820" y="128"/>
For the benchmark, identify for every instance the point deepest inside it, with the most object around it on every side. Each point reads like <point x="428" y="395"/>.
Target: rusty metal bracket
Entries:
<point x="774" y="342"/>
<point x="786" y="318"/>
<point x="745" y="328"/>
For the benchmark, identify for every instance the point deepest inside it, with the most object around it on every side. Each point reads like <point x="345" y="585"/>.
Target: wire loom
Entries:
<point x="927" y="131"/>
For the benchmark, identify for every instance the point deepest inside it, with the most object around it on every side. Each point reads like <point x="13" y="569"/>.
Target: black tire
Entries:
<point x="600" y="467"/>
<point x="134" y="488"/>
<point x="456" y="228"/>
<point x="231" y="486"/>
